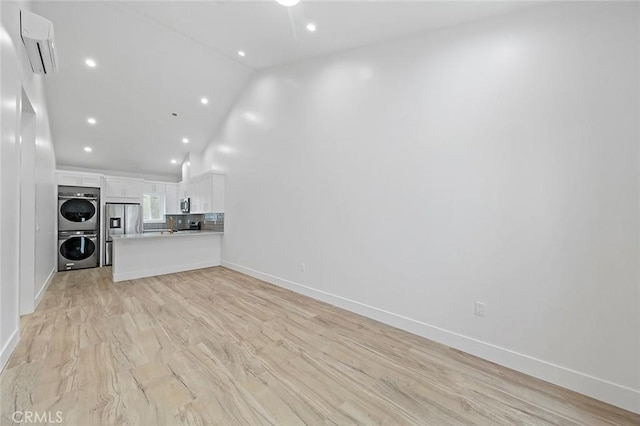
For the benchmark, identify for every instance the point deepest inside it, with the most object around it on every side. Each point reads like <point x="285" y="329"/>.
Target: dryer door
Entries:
<point x="76" y="252"/>
<point x="77" y="214"/>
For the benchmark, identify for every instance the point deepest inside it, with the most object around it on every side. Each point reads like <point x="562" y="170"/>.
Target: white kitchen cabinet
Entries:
<point x="153" y="187"/>
<point x="190" y="189"/>
<point x="204" y="187"/>
<point x="200" y="189"/>
<point x="119" y="189"/>
<point x="112" y="187"/>
<point x="171" y="201"/>
<point x="192" y="193"/>
<point x="182" y="190"/>
<point x="206" y="193"/>
<point x="194" y="197"/>
<point x="79" y="179"/>
<point x="127" y="190"/>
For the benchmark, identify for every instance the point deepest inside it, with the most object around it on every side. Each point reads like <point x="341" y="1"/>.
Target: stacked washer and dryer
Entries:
<point x="78" y="227"/>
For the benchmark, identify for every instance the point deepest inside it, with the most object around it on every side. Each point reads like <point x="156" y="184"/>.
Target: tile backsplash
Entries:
<point x="213" y="222"/>
<point x="210" y="222"/>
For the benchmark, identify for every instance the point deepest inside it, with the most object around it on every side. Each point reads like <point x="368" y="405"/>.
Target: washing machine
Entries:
<point x="77" y="250"/>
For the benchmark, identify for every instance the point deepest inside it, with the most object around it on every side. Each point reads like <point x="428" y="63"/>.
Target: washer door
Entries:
<point x="77" y="214"/>
<point x="77" y="248"/>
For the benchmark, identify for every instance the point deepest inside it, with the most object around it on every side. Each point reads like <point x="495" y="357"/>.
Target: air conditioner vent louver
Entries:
<point x="37" y="36"/>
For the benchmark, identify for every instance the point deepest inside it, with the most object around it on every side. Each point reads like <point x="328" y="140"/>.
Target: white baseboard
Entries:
<point x="8" y="348"/>
<point x="169" y="269"/>
<point x="44" y="288"/>
<point x="600" y="389"/>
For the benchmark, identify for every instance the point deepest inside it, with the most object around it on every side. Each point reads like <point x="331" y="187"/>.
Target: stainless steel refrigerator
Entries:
<point x="120" y="219"/>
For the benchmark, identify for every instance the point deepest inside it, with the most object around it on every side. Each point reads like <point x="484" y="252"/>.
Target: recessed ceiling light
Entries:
<point x="251" y="116"/>
<point x="90" y="63"/>
<point x="204" y="101"/>
<point x="173" y="161"/>
<point x="185" y="140"/>
<point x="188" y="163"/>
<point x="288" y="3"/>
<point x="311" y="26"/>
<point x="88" y="149"/>
<point x="91" y="120"/>
<point x="241" y="53"/>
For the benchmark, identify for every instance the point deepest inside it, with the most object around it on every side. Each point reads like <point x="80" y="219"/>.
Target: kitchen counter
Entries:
<point x="164" y="234"/>
<point x="154" y="253"/>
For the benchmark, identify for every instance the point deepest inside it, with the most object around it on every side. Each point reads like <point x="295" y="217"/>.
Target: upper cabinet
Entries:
<point x="122" y="189"/>
<point x="200" y="193"/>
<point x="206" y="193"/>
<point x="182" y="190"/>
<point x="171" y="202"/>
<point x="79" y="179"/>
<point x="153" y="187"/>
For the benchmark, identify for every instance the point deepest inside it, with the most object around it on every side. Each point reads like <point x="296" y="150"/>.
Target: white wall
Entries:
<point x="17" y="76"/>
<point x="27" y="212"/>
<point x="192" y="166"/>
<point x="495" y="162"/>
<point x="9" y="231"/>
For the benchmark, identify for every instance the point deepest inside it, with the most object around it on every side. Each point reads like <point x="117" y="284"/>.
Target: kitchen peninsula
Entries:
<point x="155" y="253"/>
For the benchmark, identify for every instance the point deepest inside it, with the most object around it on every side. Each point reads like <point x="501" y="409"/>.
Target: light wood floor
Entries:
<point x="217" y="347"/>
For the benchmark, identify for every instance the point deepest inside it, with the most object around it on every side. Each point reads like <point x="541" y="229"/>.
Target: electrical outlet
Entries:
<point x="479" y="309"/>
<point x="303" y="267"/>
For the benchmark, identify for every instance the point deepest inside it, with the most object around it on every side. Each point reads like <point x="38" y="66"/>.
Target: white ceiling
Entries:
<point x="159" y="57"/>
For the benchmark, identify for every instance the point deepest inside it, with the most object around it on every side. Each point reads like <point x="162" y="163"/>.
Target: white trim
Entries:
<point x="44" y="288"/>
<point x="169" y="269"/>
<point x="8" y="348"/>
<point x="600" y="389"/>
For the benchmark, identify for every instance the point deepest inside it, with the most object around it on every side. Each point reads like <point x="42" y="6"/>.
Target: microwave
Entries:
<point x="185" y="205"/>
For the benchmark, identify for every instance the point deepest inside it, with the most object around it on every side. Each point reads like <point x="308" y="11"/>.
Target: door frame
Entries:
<point x="27" y="207"/>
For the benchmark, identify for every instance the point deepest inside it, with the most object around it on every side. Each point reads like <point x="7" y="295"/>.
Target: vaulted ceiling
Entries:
<point x="157" y="58"/>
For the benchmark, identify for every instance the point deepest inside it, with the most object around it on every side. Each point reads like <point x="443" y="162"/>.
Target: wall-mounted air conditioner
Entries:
<point x="37" y="36"/>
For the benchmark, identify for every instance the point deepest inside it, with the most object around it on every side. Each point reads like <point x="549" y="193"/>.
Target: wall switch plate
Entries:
<point x="303" y="267"/>
<point x="479" y="309"/>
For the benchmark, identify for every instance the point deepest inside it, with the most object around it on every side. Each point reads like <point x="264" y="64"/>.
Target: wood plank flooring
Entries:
<point x="217" y="347"/>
